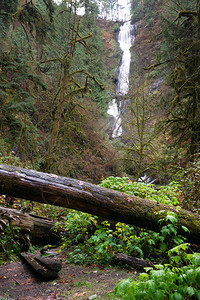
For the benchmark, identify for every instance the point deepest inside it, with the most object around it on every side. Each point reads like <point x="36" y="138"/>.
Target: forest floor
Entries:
<point x="19" y="282"/>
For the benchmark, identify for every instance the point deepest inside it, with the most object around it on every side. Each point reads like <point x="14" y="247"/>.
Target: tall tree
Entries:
<point x="184" y="110"/>
<point x="72" y="83"/>
<point x="142" y="143"/>
<point x="21" y="25"/>
<point x="180" y="57"/>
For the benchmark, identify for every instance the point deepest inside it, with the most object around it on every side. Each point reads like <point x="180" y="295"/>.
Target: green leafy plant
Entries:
<point x="165" y="194"/>
<point x="75" y="227"/>
<point x="168" y="236"/>
<point x="103" y="243"/>
<point x="79" y="257"/>
<point x="167" y="281"/>
<point x="97" y="242"/>
<point x="9" y="245"/>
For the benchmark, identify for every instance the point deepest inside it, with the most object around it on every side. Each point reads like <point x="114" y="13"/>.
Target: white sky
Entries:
<point x="123" y="14"/>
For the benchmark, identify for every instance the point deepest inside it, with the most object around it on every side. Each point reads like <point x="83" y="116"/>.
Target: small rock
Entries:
<point x="92" y="297"/>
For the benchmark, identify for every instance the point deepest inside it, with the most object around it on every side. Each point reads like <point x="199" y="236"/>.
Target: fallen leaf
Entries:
<point x="72" y="281"/>
<point x="28" y="281"/>
<point x="85" y="272"/>
<point x="92" y="266"/>
<point x="3" y="277"/>
<point x="71" y="275"/>
<point x="63" y="281"/>
<point x="80" y="294"/>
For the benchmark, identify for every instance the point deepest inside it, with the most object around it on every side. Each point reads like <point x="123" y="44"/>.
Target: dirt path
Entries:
<point x="19" y="282"/>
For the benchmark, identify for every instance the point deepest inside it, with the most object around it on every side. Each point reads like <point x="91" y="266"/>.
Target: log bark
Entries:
<point x="39" y="229"/>
<point x="132" y="261"/>
<point x="93" y="199"/>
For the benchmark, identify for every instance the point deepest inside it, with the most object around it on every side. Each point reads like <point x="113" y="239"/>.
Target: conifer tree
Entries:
<point x="21" y="25"/>
<point x="181" y="59"/>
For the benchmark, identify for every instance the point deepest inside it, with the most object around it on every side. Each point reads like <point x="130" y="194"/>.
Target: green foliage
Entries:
<point x="148" y="244"/>
<point x="165" y="194"/>
<point x="189" y="181"/>
<point x="180" y="48"/>
<point x="103" y="243"/>
<point x="97" y="243"/>
<point x="9" y="244"/>
<point x="142" y="9"/>
<point x="167" y="281"/>
<point x="79" y="257"/>
<point x="76" y="227"/>
<point x="168" y="237"/>
<point x="49" y="211"/>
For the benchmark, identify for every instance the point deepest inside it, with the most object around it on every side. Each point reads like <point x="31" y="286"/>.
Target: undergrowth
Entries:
<point x="90" y="240"/>
<point x="177" y="280"/>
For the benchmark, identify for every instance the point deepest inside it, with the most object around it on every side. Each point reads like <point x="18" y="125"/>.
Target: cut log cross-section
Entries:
<point x="93" y="199"/>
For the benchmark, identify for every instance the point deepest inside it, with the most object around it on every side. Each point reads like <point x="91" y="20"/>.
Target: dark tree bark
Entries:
<point x="93" y="199"/>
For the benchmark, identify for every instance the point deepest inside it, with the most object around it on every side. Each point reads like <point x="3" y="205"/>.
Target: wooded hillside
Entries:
<point x="55" y="88"/>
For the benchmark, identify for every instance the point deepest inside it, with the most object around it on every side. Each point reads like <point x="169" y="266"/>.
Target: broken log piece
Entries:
<point x="18" y="218"/>
<point x="132" y="261"/>
<point x="93" y="199"/>
<point x="40" y="229"/>
<point x="48" y="267"/>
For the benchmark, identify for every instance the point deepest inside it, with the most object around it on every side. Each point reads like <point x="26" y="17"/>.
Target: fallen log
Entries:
<point x="47" y="266"/>
<point x="40" y="229"/>
<point x="93" y="199"/>
<point x="134" y="262"/>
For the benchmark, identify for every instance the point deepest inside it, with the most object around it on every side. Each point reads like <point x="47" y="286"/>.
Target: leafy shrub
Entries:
<point x="100" y="240"/>
<point x="165" y="194"/>
<point x="149" y="244"/>
<point x="75" y="227"/>
<point x="167" y="281"/>
<point x="103" y="243"/>
<point x="9" y="245"/>
<point x="79" y="257"/>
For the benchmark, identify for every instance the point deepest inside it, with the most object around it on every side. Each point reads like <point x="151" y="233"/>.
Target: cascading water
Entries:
<point x="125" y="40"/>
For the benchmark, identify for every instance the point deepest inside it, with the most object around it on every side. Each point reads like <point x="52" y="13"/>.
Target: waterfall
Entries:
<point x="125" y="40"/>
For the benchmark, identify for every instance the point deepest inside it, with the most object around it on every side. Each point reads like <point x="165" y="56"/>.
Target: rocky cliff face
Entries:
<point x="144" y="49"/>
<point x="110" y="30"/>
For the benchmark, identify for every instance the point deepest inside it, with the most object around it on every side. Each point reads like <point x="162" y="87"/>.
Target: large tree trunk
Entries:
<point x="90" y="198"/>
